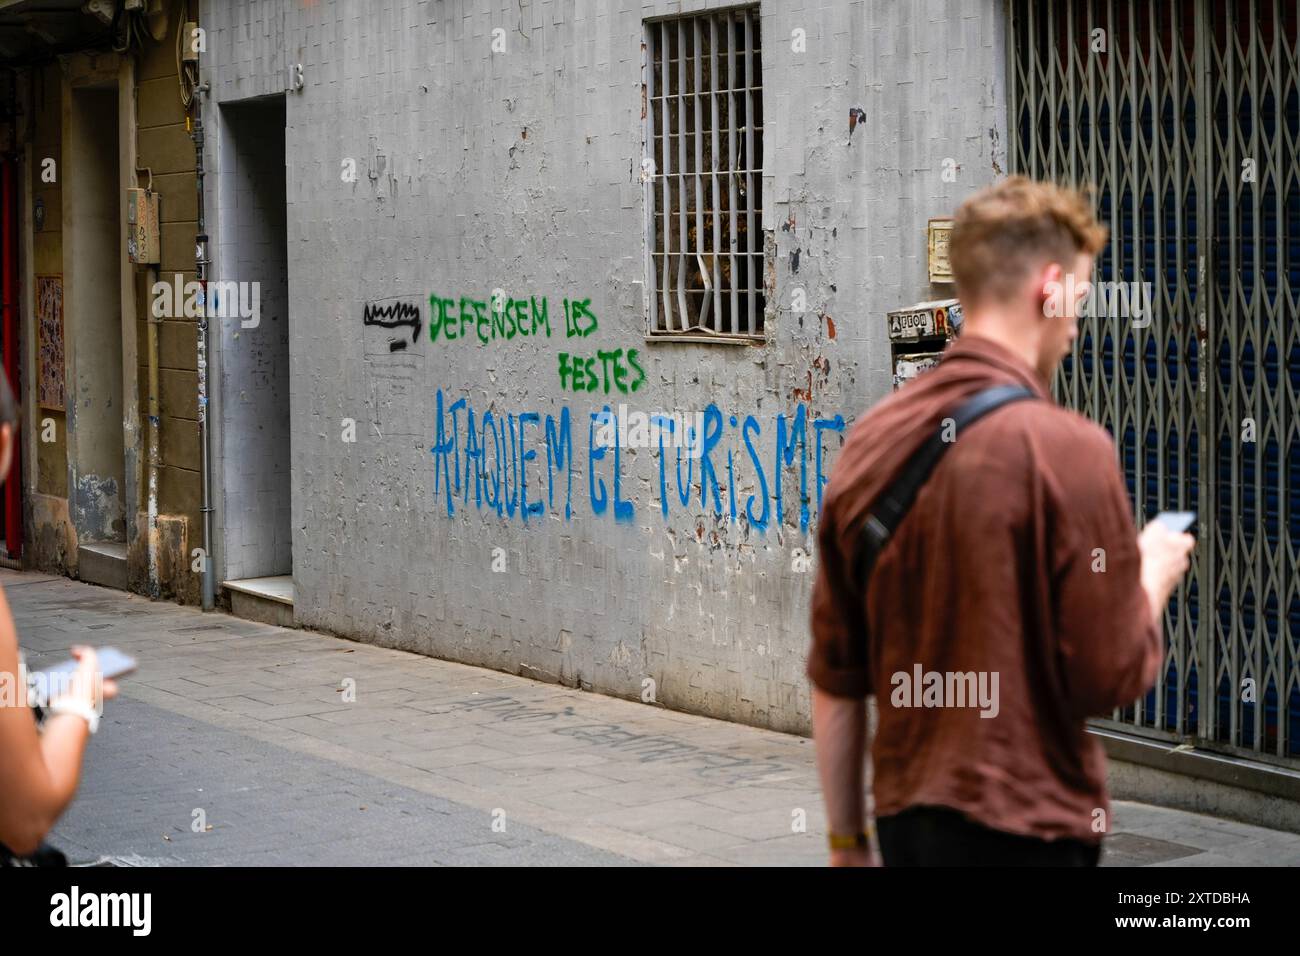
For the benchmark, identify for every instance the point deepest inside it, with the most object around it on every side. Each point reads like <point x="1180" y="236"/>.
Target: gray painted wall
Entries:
<point x="520" y="170"/>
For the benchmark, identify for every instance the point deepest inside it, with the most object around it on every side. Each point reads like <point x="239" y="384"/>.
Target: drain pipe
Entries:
<point x="155" y="454"/>
<point x="201" y="269"/>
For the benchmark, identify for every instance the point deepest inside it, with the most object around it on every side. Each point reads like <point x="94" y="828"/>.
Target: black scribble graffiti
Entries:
<point x="394" y="315"/>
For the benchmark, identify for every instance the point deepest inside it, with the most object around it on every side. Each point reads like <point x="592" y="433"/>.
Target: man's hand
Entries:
<point x="1165" y="559"/>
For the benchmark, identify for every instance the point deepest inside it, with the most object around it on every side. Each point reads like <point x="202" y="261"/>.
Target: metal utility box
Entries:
<point x="919" y="333"/>
<point x="940" y="319"/>
<point x="142" y="240"/>
<point x="938" y="240"/>
<point x="189" y="51"/>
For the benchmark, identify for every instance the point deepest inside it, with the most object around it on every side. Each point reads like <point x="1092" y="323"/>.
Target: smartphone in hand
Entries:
<point x="1177" y="521"/>
<point x="112" y="664"/>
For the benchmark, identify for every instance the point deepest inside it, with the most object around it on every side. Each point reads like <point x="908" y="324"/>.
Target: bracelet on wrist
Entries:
<point x="849" y="841"/>
<point x="75" y="708"/>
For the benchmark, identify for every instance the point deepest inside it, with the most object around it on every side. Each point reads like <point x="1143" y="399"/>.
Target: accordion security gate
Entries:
<point x="1183" y="118"/>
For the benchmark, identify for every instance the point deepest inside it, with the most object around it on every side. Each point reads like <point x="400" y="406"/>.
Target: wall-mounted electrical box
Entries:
<point x="939" y="321"/>
<point x="938" y="239"/>
<point x="189" y="53"/>
<point x="918" y="335"/>
<point x="142" y="240"/>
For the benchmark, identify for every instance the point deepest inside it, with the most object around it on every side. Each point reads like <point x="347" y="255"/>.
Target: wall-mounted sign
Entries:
<point x="926" y="320"/>
<point x="38" y="213"/>
<point x="49" y="339"/>
<point x="940" y="233"/>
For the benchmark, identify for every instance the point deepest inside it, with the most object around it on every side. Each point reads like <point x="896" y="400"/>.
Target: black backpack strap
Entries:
<point x="889" y="510"/>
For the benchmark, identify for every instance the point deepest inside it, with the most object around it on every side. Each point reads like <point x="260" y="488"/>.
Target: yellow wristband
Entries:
<point x="844" y="841"/>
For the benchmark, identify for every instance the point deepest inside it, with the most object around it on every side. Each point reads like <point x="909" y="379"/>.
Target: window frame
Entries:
<point x="753" y="304"/>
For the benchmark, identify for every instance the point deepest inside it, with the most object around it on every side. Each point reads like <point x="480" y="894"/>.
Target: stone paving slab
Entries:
<point x="247" y="723"/>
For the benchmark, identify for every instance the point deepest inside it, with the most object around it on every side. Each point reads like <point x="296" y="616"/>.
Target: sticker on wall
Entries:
<point x="49" y="325"/>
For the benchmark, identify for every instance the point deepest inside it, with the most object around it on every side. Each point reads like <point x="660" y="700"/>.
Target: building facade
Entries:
<point x="526" y="334"/>
<point x="499" y="223"/>
<point x="110" y="465"/>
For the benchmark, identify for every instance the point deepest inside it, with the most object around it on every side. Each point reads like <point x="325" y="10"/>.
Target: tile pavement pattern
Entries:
<point x="247" y="723"/>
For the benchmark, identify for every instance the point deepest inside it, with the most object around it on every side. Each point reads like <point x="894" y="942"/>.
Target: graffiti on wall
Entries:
<point x="394" y="313"/>
<point x="503" y="318"/>
<point x="522" y="465"/>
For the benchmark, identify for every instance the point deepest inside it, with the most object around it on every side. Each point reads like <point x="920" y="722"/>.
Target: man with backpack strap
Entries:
<point x="981" y="577"/>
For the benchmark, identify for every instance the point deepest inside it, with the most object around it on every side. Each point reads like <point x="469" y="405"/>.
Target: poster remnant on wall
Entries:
<point x="938" y="242"/>
<point x="49" y="355"/>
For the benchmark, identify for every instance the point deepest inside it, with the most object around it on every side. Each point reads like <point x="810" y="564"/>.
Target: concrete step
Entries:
<point x="269" y="600"/>
<point x="103" y="563"/>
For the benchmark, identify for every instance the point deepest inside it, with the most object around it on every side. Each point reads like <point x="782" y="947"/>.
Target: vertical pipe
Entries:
<point x="155" y="454"/>
<point x="201" y="268"/>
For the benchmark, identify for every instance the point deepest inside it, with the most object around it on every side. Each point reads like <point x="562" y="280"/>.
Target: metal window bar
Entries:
<point x="679" y="183"/>
<point x="703" y="186"/>
<point x="1159" y="124"/>
<point x="749" y="171"/>
<point x="715" y="259"/>
<point x="733" y="114"/>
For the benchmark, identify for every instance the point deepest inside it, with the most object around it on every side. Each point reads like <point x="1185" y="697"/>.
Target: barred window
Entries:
<point x="704" y="175"/>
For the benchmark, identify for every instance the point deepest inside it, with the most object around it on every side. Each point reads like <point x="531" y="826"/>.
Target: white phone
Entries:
<point x="1176" y="521"/>
<point x="112" y="664"/>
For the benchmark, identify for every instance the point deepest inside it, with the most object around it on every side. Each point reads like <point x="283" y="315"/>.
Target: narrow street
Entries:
<point x="234" y="744"/>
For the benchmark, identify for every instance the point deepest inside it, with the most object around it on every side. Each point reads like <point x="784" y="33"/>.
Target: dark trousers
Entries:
<point x="937" y="836"/>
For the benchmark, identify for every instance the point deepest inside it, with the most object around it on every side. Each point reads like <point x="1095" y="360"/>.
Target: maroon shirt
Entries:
<point x="1018" y="559"/>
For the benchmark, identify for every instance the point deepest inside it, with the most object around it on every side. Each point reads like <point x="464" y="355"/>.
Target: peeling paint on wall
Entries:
<point x="97" y="509"/>
<point x="856" y="115"/>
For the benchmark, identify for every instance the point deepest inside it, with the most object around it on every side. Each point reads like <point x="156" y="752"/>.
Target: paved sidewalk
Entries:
<point x="233" y="744"/>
